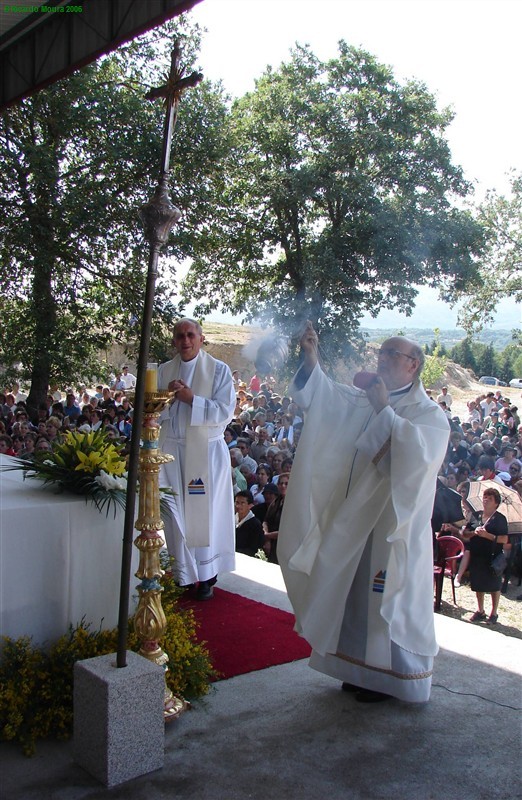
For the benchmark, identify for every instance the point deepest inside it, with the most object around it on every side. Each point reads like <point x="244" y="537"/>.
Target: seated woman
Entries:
<point x="463" y="529"/>
<point x="53" y="429"/>
<point x="277" y="462"/>
<point x="249" y="531"/>
<point x="6" y="446"/>
<point x="17" y="443"/>
<point x="230" y="437"/>
<point x="29" y="443"/>
<point x="263" y="476"/>
<point x="273" y="518"/>
<point x="270" y="492"/>
<point x="281" y="463"/>
<point x="506" y="422"/>
<point x="245" y="420"/>
<point x="507" y="458"/>
<point x="486" y="542"/>
<point x="286" y="467"/>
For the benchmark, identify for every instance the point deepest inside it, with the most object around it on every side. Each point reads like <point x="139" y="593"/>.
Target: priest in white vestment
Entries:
<point x="200" y="531"/>
<point x="355" y="541"/>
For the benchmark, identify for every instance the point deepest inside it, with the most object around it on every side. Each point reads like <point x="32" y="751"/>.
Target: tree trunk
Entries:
<point x="44" y="315"/>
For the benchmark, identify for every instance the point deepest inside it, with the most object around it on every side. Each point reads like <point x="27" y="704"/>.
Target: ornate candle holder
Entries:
<point x="150" y="621"/>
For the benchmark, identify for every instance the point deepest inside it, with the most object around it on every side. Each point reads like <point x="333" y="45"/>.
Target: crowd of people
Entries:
<point x="485" y="443"/>
<point x="335" y="483"/>
<point x="262" y="440"/>
<point x="106" y="407"/>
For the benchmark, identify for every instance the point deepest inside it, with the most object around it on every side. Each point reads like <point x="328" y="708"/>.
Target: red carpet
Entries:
<point x="243" y="635"/>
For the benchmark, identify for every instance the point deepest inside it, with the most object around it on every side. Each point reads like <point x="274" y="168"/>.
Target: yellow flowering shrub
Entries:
<point x="36" y="686"/>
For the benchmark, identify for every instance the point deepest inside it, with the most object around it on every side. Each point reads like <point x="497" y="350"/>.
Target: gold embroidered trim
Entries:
<point x="382" y="452"/>
<point x="413" y="677"/>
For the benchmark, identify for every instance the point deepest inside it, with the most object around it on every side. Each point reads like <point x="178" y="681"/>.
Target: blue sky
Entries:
<point x="466" y="51"/>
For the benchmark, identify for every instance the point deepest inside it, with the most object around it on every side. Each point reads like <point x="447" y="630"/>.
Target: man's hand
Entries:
<point x="183" y="392"/>
<point x="310" y="347"/>
<point x="378" y="395"/>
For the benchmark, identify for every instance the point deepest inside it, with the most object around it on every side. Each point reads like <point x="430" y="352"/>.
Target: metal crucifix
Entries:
<point x="158" y="216"/>
<point x="171" y="91"/>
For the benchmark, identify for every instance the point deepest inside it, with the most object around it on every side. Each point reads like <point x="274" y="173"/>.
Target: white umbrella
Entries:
<point x="511" y="505"/>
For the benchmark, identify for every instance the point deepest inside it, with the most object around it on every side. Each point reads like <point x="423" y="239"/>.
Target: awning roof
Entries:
<point x="42" y="42"/>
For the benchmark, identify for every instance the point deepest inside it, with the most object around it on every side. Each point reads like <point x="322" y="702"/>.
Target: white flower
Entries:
<point x="111" y="482"/>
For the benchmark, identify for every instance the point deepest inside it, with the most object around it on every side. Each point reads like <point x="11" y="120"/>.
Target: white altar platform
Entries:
<point x="60" y="561"/>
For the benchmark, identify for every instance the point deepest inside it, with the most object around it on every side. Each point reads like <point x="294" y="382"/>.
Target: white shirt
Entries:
<point x="447" y="398"/>
<point x="129" y="380"/>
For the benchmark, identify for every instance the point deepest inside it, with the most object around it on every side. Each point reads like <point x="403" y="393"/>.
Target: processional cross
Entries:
<point x="158" y="216"/>
<point x="157" y="213"/>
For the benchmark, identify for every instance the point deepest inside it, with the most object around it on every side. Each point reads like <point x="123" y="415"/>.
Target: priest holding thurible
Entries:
<point x="355" y="540"/>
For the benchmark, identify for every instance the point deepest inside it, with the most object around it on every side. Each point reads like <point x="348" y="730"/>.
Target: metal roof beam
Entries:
<point x="41" y="47"/>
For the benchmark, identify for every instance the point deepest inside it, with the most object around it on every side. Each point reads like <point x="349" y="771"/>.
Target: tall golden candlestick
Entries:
<point x="149" y="621"/>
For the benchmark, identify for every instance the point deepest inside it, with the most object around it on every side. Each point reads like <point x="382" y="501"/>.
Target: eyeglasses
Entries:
<point x="389" y="352"/>
<point x="514" y="469"/>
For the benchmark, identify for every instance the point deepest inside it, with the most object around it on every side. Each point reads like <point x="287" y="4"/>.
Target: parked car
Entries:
<point x="491" y="381"/>
<point x="516" y="383"/>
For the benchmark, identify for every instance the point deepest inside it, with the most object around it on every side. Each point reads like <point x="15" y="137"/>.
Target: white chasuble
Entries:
<point x="355" y="543"/>
<point x="200" y="531"/>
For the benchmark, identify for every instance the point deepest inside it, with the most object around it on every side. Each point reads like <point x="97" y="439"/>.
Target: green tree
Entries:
<point x="486" y="360"/>
<point x="510" y="362"/>
<point x="78" y="160"/>
<point x="500" y="273"/>
<point x="433" y="370"/>
<point x="516" y="371"/>
<point x="462" y="353"/>
<point x="339" y="198"/>
<point x="435" y="363"/>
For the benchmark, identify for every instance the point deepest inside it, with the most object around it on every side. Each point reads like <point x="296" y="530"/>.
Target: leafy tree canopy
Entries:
<point x="338" y="196"/>
<point x="78" y="160"/>
<point x="500" y="272"/>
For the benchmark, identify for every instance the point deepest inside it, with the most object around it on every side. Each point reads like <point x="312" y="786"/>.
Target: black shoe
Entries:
<point x="204" y="591"/>
<point x="350" y="687"/>
<point x="369" y="696"/>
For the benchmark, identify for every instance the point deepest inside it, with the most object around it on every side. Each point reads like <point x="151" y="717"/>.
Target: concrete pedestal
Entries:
<point x="119" y="729"/>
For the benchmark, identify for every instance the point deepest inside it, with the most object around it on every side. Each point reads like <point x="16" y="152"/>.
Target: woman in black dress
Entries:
<point x="487" y="542"/>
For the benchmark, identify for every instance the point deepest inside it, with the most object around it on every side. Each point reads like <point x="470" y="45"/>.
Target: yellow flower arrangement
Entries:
<point x="85" y="447"/>
<point x="83" y="463"/>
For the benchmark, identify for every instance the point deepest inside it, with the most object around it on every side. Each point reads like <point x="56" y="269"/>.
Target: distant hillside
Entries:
<point x="240" y="334"/>
<point x="499" y="337"/>
<point x="227" y="342"/>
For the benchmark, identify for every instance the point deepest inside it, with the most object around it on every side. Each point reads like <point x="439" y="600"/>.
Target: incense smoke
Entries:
<point x="267" y="352"/>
